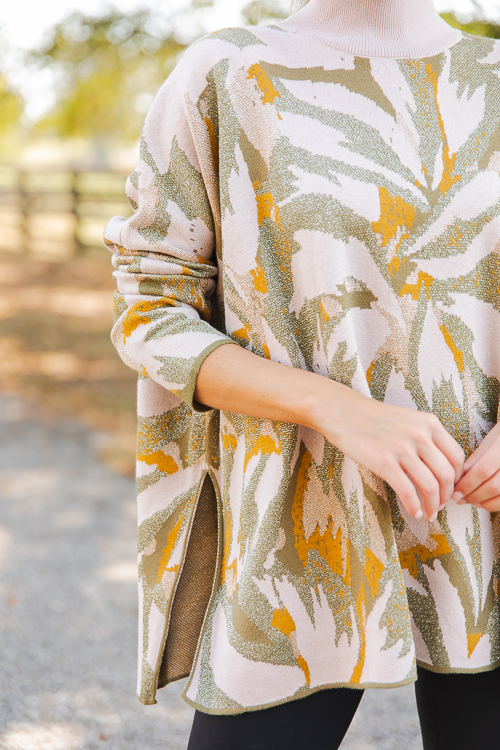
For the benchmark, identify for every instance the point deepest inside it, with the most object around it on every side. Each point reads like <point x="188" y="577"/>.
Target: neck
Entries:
<point x="376" y="28"/>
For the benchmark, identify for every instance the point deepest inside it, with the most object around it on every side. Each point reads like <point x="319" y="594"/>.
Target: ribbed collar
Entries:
<point x="375" y="28"/>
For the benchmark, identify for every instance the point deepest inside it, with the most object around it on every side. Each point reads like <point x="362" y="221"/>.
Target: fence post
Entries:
<point x="75" y="193"/>
<point x="24" y="213"/>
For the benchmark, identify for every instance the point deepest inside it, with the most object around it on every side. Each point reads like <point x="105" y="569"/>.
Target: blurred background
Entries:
<point x="76" y="80"/>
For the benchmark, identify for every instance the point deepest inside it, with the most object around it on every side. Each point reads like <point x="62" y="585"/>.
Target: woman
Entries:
<point x="315" y="245"/>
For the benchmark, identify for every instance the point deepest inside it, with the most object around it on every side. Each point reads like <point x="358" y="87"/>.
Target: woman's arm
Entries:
<point x="410" y="450"/>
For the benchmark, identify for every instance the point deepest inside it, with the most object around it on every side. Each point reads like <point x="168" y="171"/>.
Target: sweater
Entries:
<point x="339" y="214"/>
<point x="378" y="28"/>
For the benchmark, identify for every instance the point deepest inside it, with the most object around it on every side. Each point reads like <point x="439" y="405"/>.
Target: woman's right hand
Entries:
<point x="410" y="450"/>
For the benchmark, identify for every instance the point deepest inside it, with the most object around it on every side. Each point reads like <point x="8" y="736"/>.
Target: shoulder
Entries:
<point x="484" y="50"/>
<point x="192" y="90"/>
<point x="243" y="37"/>
<point x="475" y="62"/>
<point x="231" y="45"/>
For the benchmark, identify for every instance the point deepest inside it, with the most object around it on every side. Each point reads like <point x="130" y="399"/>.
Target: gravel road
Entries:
<point x="68" y="606"/>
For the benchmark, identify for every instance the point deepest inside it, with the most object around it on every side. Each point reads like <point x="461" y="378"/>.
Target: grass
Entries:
<point x="55" y="320"/>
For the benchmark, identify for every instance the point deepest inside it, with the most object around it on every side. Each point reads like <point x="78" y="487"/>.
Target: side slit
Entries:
<point x="194" y="589"/>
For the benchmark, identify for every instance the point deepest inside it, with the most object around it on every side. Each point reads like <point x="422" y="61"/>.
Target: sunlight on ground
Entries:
<point x="37" y="737"/>
<point x="55" y="348"/>
<point x="5" y="546"/>
<point x="124" y="571"/>
<point x="42" y="482"/>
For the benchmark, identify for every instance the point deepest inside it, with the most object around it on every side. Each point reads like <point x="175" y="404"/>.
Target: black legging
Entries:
<point x="456" y="711"/>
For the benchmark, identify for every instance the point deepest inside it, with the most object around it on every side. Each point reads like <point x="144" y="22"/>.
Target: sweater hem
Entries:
<point x="147" y="701"/>
<point x="164" y="683"/>
<point x="297" y="696"/>
<point x="458" y="670"/>
<point x="151" y="699"/>
<point x="214" y="582"/>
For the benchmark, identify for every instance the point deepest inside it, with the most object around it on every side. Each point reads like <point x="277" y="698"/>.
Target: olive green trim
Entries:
<point x="147" y="702"/>
<point x="214" y="584"/>
<point x="164" y="683"/>
<point x="156" y="674"/>
<point x="187" y="393"/>
<point x="454" y="670"/>
<point x="151" y="700"/>
<point x="297" y="696"/>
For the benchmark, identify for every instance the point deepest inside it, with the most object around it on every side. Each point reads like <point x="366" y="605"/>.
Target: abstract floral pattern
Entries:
<point x="341" y="215"/>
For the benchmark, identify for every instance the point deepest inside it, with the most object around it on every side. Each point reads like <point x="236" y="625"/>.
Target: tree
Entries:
<point x="11" y="103"/>
<point x="11" y="108"/>
<point x="478" y="27"/>
<point x="106" y="71"/>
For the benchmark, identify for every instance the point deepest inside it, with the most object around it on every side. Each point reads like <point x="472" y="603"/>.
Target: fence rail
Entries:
<point x="57" y="213"/>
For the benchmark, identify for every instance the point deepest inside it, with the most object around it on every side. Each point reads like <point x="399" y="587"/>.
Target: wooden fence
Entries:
<point x="57" y="213"/>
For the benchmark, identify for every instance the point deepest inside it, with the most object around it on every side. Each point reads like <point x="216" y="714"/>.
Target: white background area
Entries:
<point x="25" y="22"/>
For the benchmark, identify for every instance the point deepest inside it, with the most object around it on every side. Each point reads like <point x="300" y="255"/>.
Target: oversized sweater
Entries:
<point x="341" y="215"/>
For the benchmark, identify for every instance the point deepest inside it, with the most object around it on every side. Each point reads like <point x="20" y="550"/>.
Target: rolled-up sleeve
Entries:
<point x="164" y="254"/>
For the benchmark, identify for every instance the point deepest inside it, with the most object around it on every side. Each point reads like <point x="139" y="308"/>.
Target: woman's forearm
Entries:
<point x="234" y="379"/>
<point x="410" y="450"/>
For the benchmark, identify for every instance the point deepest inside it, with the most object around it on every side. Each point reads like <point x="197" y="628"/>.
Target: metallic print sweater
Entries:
<point x="338" y="214"/>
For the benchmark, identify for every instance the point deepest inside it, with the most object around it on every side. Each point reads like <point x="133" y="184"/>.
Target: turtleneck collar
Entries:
<point x="375" y="28"/>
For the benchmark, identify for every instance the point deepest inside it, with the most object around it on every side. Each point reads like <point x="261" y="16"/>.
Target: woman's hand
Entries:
<point x="409" y="450"/>
<point x="480" y="485"/>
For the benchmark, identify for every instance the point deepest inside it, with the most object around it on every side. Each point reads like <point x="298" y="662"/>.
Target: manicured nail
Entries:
<point x="433" y="518"/>
<point x="457" y="496"/>
<point x="419" y="514"/>
<point x="462" y="502"/>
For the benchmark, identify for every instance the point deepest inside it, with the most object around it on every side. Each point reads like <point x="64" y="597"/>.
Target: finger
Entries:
<point x="487" y="491"/>
<point x="403" y="487"/>
<point x="451" y="449"/>
<point x="483" y="470"/>
<point x="484" y="446"/>
<point x="492" y="506"/>
<point x="441" y="468"/>
<point x="426" y="484"/>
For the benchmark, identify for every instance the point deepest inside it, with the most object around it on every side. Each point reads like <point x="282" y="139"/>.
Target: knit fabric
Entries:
<point x="384" y="28"/>
<point x="341" y="215"/>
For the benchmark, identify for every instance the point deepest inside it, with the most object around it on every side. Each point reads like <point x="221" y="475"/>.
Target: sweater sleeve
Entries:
<point x="164" y="254"/>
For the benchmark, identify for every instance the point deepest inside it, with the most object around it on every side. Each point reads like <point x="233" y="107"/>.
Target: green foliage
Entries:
<point x="10" y="108"/>
<point x="11" y="103"/>
<point x="476" y="27"/>
<point x="106" y="71"/>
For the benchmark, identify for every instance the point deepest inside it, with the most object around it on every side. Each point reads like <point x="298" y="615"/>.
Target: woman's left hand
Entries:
<point x="480" y="485"/>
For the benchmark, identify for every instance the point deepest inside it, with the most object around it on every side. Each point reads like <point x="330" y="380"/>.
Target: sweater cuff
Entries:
<point x="187" y="393"/>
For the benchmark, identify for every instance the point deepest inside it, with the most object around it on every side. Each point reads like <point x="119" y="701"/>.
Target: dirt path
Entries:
<point x="68" y="606"/>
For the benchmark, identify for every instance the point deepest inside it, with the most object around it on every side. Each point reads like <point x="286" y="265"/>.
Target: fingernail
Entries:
<point x="419" y="514"/>
<point x="457" y="496"/>
<point x="433" y="518"/>
<point x="462" y="502"/>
